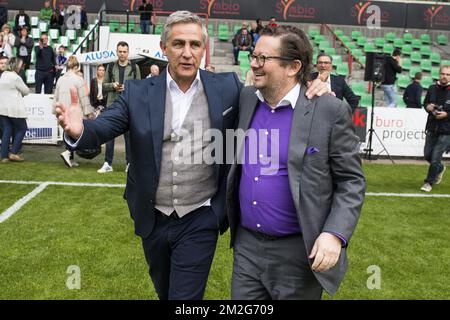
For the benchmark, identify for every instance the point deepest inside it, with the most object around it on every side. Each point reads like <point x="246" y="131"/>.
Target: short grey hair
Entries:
<point x="182" y="17"/>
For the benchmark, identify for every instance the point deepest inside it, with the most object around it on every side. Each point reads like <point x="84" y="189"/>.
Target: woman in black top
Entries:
<point x="97" y="96"/>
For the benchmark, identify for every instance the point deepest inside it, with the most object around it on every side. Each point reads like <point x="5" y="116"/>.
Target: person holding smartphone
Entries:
<point x="116" y="76"/>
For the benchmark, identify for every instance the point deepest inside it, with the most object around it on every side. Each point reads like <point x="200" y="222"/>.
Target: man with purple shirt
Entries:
<point x="295" y="191"/>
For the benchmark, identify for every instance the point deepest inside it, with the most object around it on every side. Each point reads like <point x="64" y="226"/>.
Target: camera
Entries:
<point x="437" y="109"/>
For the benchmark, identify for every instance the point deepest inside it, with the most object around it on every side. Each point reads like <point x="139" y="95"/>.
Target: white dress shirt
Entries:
<point x="289" y="99"/>
<point x="181" y="101"/>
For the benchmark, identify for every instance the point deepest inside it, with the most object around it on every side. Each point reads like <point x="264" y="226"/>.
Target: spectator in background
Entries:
<point x="146" y="10"/>
<point x="21" y="20"/>
<point x="5" y="49"/>
<point x="57" y="20"/>
<point x="46" y="13"/>
<point x="83" y="17"/>
<point x="272" y="22"/>
<point x="259" y="25"/>
<point x="7" y="35"/>
<point x="3" y="15"/>
<point x="254" y="32"/>
<point x="413" y="92"/>
<point x="336" y="84"/>
<point x="3" y="61"/>
<point x="71" y="79"/>
<point x="12" y="110"/>
<point x="242" y="42"/>
<point x="24" y="45"/>
<point x="45" y="65"/>
<point x="392" y="66"/>
<point x="98" y="99"/>
<point x="244" y="26"/>
<point x="437" y="141"/>
<point x="154" y="71"/>
<point x="116" y="75"/>
<point x="60" y="61"/>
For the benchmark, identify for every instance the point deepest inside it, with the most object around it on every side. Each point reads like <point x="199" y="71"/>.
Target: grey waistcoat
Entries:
<point x="186" y="182"/>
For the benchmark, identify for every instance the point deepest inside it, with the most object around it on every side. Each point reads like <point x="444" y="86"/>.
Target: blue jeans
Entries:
<point x="109" y="153"/>
<point x="435" y="146"/>
<point x="145" y="26"/>
<point x="390" y="95"/>
<point x="15" y="128"/>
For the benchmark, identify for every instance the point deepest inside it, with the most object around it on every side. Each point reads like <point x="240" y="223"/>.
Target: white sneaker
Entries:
<point x="426" y="187"/>
<point x="74" y="164"/>
<point x="440" y="175"/>
<point x="66" y="158"/>
<point x="127" y="167"/>
<point x="105" y="168"/>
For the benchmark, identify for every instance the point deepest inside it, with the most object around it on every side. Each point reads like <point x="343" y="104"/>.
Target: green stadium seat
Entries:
<point x="366" y="101"/>
<point x="223" y="32"/>
<point x="64" y="41"/>
<point x="413" y="71"/>
<point x="425" y="65"/>
<point x="403" y="81"/>
<point x="319" y="38"/>
<point x="43" y="26"/>
<point x="355" y="34"/>
<point x="445" y="62"/>
<point x="398" y="42"/>
<point x="339" y="32"/>
<point x="359" y="88"/>
<point x="243" y="57"/>
<point x="379" y="42"/>
<point x="442" y="39"/>
<point x="210" y="30"/>
<point x="435" y="73"/>
<point x="29" y="75"/>
<point x="351" y="46"/>
<point x="123" y="29"/>
<point x="406" y="63"/>
<point x="236" y="28"/>
<point x="244" y="69"/>
<point x="426" y="82"/>
<point x="53" y="34"/>
<point x="363" y="60"/>
<point x="342" y="69"/>
<point x="390" y="36"/>
<point x="416" y="57"/>
<point x="357" y="53"/>
<point x="71" y="34"/>
<point x="400" y="102"/>
<point x="330" y="51"/>
<point x="425" y="51"/>
<point x="35" y="33"/>
<point x="416" y="43"/>
<point x="34" y="21"/>
<point x="337" y="59"/>
<point x="408" y="37"/>
<point x="407" y="49"/>
<point x="345" y="39"/>
<point x="313" y="32"/>
<point x="388" y="48"/>
<point x="159" y="28"/>
<point x="324" y="44"/>
<point x="369" y="47"/>
<point x="425" y="38"/>
<point x="361" y="41"/>
<point x="435" y="58"/>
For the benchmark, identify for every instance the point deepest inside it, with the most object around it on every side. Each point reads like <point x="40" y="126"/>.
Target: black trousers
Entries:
<point x="44" y="78"/>
<point x="179" y="252"/>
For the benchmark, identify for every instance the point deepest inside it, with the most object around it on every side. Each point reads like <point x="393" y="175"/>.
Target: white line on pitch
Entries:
<point x="19" y="204"/>
<point x="407" y="195"/>
<point x="70" y="184"/>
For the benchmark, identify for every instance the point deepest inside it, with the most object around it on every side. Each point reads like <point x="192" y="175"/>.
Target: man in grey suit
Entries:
<point x="295" y="191"/>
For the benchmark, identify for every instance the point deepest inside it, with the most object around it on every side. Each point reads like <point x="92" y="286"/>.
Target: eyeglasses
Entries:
<point x="261" y="59"/>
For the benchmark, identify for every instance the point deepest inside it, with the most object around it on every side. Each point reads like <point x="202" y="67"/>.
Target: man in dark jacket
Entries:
<point x="392" y="66"/>
<point x="45" y="65"/>
<point x="336" y="84"/>
<point x="437" y="104"/>
<point x="413" y="93"/>
<point x="242" y="42"/>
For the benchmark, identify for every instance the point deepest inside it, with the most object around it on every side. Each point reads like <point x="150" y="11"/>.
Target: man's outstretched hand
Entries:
<point x="71" y="117"/>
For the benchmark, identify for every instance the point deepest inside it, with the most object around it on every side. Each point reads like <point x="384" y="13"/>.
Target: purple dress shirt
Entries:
<point x="264" y="192"/>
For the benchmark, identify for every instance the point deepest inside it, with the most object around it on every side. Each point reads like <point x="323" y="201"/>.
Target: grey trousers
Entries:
<point x="272" y="269"/>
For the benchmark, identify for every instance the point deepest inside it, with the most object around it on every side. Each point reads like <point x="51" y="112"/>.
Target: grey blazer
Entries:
<point x="325" y="174"/>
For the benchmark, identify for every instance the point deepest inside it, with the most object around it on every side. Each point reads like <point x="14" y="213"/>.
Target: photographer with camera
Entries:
<point x="437" y="104"/>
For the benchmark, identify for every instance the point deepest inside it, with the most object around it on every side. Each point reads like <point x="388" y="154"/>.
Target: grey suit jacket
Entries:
<point x="325" y="174"/>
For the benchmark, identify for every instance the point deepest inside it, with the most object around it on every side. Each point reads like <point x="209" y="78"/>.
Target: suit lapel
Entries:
<point x="157" y="106"/>
<point x="214" y="97"/>
<point x="298" y="141"/>
<point x="247" y="107"/>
